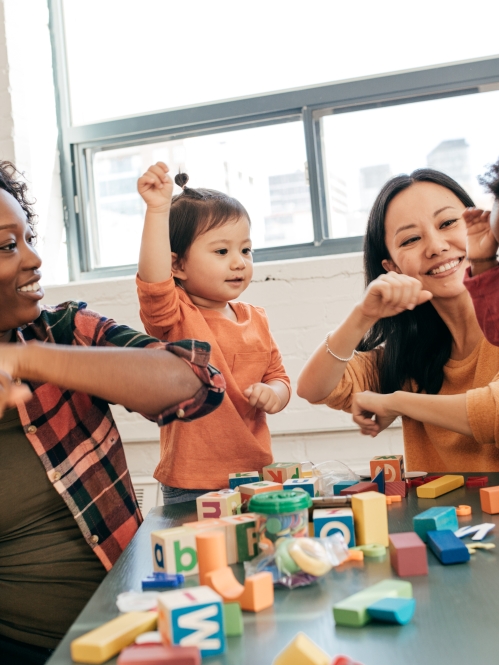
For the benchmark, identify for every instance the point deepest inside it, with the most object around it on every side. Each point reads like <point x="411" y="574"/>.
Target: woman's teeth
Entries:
<point x="445" y="266"/>
<point x="30" y="287"/>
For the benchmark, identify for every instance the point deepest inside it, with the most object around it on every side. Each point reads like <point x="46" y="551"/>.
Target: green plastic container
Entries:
<point x="280" y="515"/>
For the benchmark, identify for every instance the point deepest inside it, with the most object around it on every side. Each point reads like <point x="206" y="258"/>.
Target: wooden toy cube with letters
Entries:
<point x="282" y="471"/>
<point x="192" y="617"/>
<point x="310" y="485"/>
<point x="392" y="465"/>
<point x="241" y="536"/>
<point x="249" y="490"/>
<point x="218" y="504"/>
<point x="330" y="520"/>
<point x="174" y="551"/>
<point x="243" y="478"/>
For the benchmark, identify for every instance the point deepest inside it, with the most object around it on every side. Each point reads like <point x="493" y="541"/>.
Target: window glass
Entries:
<point x="127" y="57"/>
<point x="363" y="149"/>
<point x="262" y="167"/>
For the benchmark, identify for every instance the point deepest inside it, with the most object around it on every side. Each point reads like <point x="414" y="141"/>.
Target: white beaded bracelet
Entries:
<point x="343" y="360"/>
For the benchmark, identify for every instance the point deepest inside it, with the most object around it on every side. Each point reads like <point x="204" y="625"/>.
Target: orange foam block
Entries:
<point x="489" y="499"/>
<point x="257" y="593"/>
<point x="212" y="553"/>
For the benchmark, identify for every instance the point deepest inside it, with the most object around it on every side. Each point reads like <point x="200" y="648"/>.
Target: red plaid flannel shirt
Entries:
<point x="75" y="436"/>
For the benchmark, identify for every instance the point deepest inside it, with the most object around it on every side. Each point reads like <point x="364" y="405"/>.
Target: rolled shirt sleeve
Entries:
<point x="482" y="407"/>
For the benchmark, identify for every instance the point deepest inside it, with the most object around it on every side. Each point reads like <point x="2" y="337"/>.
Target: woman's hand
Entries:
<point x="390" y="294"/>
<point x="373" y="412"/>
<point x="156" y="187"/>
<point x="11" y="393"/>
<point x="480" y="242"/>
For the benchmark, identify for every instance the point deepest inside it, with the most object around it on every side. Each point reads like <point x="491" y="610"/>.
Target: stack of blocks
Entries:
<point x="354" y="611"/>
<point x="391" y="465"/>
<point x="438" y="518"/>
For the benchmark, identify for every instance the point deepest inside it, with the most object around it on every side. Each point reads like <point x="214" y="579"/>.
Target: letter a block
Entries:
<point x="302" y="651"/>
<point x="371" y="519"/>
<point x="218" y="504"/>
<point x="242" y="539"/>
<point x="392" y="465"/>
<point x="331" y="520"/>
<point x="243" y="478"/>
<point x="310" y="485"/>
<point x="282" y="471"/>
<point x="174" y="551"/>
<point x="249" y="490"/>
<point x="192" y="617"/>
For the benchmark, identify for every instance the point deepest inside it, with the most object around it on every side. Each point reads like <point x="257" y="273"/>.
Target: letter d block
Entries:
<point x="371" y="519"/>
<point x="310" y="485"/>
<point x="242" y="539"/>
<point x="236" y="479"/>
<point x="192" y="617"/>
<point x="282" y="471"/>
<point x="174" y="551"/>
<point x="392" y="465"/>
<point x="332" y="520"/>
<point x="218" y="504"/>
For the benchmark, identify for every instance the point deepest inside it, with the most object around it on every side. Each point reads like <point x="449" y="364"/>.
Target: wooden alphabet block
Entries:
<point x="242" y="539"/>
<point x="438" y="518"/>
<point x="358" y="488"/>
<point x="243" y="478"/>
<point x="392" y="465"/>
<point x="353" y="610"/>
<point x="303" y="651"/>
<point x="218" y="504"/>
<point x="192" y="617"/>
<point x="447" y="547"/>
<point x="310" y="485"/>
<point x="440" y="486"/>
<point x="174" y="551"/>
<point x="408" y="554"/>
<point x="331" y="520"/>
<point x="250" y="489"/>
<point x="104" y="642"/>
<point x="396" y="488"/>
<point x="371" y="518"/>
<point x="489" y="499"/>
<point x="282" y="471"/>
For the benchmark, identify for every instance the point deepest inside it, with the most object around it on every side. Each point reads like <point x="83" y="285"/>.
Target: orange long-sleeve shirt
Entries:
<point x="431" y="448"/>
<point x="235" y="437"/>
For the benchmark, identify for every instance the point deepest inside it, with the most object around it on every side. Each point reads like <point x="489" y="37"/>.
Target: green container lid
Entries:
<point x="285" y="501"/>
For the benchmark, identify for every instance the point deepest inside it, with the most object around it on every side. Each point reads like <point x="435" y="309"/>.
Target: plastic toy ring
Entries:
<point x="463" y="510"/>
<point x="284" y="562"/>
<point x="310" y="556"/>
<point x="371" y="550"/>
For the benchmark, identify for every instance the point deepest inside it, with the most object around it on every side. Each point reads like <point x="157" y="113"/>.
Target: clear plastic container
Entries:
<point x="280" y="515"/>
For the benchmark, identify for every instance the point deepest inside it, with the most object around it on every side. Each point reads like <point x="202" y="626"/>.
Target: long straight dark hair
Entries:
<point x="416" y="344"/>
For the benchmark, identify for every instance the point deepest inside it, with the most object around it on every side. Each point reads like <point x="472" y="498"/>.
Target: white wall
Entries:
<point x="304" y="299"/>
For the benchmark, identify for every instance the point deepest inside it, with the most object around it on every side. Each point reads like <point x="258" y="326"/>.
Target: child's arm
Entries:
<point x="156" y="187"/>
<point x="270" y="397"/>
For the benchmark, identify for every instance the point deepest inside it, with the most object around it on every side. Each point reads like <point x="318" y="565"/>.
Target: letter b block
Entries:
<point x="392" y="465"/>
<point x="331" y="520"/>
<point x="218" y="504"/>
<point x="192" y="617"/>
<point x="174" y="551"/>
<point x="281" y="471"/>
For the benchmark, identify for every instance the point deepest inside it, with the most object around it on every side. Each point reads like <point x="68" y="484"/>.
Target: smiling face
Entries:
<point x="219" y="264"/>
<point x="426" y="238"/>
<point x="20" y="293"/>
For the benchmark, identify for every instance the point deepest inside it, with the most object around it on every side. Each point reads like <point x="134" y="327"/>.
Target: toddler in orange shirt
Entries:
<point x="195" y="260"/>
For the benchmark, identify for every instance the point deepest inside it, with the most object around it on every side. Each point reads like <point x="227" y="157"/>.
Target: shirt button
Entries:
<point x="180" y="413"/>
<point x="31" y="429"/>
<point x="94" y="539"/>
<point x="56" y="476"/>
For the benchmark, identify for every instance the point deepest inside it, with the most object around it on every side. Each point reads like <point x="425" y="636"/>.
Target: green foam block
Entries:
<point x="353" y="610"/>
<point x="233" y="619"/>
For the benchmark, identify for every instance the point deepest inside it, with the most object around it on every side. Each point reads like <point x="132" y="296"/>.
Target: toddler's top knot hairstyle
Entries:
<point x="196" y="211"/>
<point x="491" y="179"/>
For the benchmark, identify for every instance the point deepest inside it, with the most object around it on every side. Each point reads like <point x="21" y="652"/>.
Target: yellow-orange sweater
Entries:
<point x="431" y="448"/>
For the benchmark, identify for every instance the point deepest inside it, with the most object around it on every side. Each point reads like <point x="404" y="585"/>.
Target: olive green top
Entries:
<point x="47" y="570"/>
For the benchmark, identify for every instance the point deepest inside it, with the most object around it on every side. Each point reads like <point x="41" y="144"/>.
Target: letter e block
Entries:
<point x="218" y="504"/>
<point x="174" y="551"/>
<point x="243" y="478"/>
<point x="392" y="465"/>
<point x="310" y="485"/>
<point x="331" y="520"/>
<point x="192" y="617"/>
<point x="282" y="471"/>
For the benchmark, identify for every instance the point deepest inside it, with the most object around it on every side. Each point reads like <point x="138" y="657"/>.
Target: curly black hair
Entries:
<point x="10" y="181"/>
<point x="491" y="179"/>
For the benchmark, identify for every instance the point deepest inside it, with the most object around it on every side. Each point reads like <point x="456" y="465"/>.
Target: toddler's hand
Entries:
<point x="156" y="187"/>
<point x="263" y="397"/>
<point x="480" y="243"/>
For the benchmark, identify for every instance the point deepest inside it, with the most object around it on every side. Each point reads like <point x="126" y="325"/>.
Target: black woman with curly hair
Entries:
<point x="67" y="505"/>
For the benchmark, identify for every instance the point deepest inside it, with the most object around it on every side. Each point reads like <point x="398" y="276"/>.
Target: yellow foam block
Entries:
<point x="302" y="651"/>
<point x="370" y="518"/>
<point x="439" y="486"/>
<point x="104" y="642"/>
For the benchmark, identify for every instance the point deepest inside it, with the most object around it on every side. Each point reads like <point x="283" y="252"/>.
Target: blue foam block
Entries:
<point x="162" y="581"/>
<point x="447" y="547"/>
<point x="380" y="481"/>
<point x="342" y="484"/>
<point x="393" y="610"/>
<point x="439" y="518"/>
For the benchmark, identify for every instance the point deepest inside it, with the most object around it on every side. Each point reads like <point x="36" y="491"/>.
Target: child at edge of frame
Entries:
<point x="195" y="261"/>
<point x="482" y="275"/>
